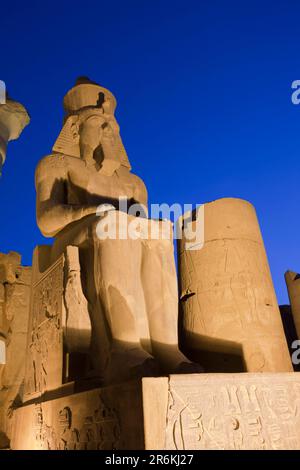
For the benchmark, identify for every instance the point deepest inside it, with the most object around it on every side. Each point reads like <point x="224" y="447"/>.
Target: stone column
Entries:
<point x="13" y="119"/>
<point x="293" y="285"/>
<point x="230" y="317"/>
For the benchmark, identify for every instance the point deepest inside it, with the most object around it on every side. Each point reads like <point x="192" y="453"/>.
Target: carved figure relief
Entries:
<point x="45" y="349"/>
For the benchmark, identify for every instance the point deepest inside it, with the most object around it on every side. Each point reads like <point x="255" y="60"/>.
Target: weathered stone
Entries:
<point x="289" y="330"/>
<point x="182" y="412"/>
<point x="293" y="285"/>
<point x="234" y="411"/>
<point x="13" y="119"/>
<point x="129" y="283"/>
<point x="231" y="320"/>
<point x="8" y="267"/>
<point x="102" y="332"/>
<point x="59" y="323"/>
<point x="15" y="287"/>
<point x="100" y="419"/>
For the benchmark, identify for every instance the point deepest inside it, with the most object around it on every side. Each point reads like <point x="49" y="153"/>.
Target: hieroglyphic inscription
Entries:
<point x="99" y="430"/>
<point x="236" y="411"/>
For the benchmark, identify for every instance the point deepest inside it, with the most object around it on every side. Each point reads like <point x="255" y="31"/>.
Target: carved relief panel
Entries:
<point x="59" y="321"/>
<point x="45" y="338"/>
<point x="234" y="411"/>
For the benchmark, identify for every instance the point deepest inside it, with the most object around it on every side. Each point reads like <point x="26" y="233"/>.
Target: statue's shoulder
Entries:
<point x="54" y="164"/>
<point x="140" y="189"/>
<point x="138" y="182"/>
<point x="131" y="178"/>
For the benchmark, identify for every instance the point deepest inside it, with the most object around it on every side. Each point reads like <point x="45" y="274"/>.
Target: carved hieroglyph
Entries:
<point x="234" y="412"/>
<point x="227" y="296"/>
<point x="15" y="282"/>
<point x="13" y="119"/>
<point x="180" y="412"/>
<point x="293" y="285"/>
<point x="54" y="429"/>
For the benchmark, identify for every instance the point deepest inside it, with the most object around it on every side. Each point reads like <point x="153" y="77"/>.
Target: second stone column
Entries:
<point x="230" y="319"/>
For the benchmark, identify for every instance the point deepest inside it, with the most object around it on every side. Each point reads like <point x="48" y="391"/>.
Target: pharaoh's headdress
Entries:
<point x="85" y="95"/>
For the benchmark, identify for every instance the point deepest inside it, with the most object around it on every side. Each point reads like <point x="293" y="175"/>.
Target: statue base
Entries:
<point x="179" y="412"/>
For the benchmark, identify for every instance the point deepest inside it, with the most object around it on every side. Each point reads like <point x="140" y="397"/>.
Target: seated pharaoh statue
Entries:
<point x="130" y="282"/>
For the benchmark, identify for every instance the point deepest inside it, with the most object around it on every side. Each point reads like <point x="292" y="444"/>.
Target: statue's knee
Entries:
<point x="97" y="227"/>
<point x="111" y="225"/>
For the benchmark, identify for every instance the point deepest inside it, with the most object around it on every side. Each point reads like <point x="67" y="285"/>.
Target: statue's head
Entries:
<point x="90" y="126"/>
<point x="87" y="94"/>
<point x="89" y="118"/>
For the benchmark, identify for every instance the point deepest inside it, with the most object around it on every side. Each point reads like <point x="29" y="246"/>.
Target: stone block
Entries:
<point x="253" y="411"/>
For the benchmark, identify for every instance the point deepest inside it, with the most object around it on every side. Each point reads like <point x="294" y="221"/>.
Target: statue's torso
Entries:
<point x="86" y="185"/>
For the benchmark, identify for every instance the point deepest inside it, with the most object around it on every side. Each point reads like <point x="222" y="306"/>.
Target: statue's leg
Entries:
<point x="111" y="281"/>
<point x="161" y="293"/>
<point x="115" y="277"/>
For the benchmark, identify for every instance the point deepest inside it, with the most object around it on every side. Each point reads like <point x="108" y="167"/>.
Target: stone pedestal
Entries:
<point x="179" y="412"/>
<point x="293" y="285"/>
<point x="100" y="419"/>
<point x="230" y="317"/>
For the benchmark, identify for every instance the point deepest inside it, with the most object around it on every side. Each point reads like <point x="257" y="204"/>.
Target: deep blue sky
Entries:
<point x="204" y="103"/>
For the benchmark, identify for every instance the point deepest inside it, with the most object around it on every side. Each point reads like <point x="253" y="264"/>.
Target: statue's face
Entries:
<point x="91" y="131"/>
